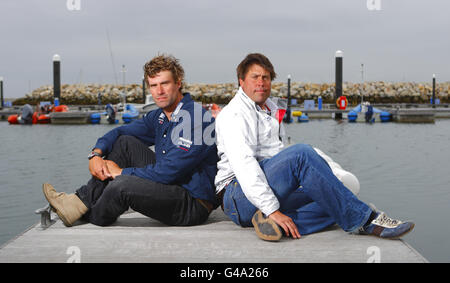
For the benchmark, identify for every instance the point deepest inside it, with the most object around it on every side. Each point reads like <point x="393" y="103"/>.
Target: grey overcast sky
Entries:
<point x="407" y="40"/>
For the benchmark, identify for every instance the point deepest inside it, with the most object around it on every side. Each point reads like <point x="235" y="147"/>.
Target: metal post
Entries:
<point x="124" y="93"/>
<point x="434" y="91"/>
<point x="339" y="58"/>
<point x="289" y="92"/>
<point x="362" y="83"/>
<point x="123" y="72"/>
<point x="56" y="78"/>
<point x="287" y="115"/>
<point x="143" y="89"/>
<point x="1" y="91"/>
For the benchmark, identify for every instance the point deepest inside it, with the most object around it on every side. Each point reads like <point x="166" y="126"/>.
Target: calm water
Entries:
<point x="403" y="169"/>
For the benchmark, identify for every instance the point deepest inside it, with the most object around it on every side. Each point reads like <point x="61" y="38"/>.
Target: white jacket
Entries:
<point x="246" y="134"/>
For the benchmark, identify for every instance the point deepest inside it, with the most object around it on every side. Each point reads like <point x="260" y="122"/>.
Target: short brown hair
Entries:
<point x="251" y="59"/>
<point x="164" y="63"/>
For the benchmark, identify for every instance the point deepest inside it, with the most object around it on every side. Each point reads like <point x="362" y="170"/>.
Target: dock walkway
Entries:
<point x="136" y="238"/>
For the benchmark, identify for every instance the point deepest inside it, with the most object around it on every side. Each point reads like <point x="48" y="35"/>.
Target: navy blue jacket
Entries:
<point x="185" y="148"/>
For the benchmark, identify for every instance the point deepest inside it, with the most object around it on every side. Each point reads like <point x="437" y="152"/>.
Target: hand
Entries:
<point x="286" y="223"/>
<point x="113" y="168"/>
<point x="98" y="168"/>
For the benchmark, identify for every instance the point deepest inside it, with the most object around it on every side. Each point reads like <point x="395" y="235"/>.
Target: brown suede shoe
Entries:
<point x="266" y="228"/>
<point x="68" y="206"/>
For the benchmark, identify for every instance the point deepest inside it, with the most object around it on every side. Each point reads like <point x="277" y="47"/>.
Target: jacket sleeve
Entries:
<point x="179" y="160"/>
<point x="239" y="140"/>
<point x="141" y="129"/>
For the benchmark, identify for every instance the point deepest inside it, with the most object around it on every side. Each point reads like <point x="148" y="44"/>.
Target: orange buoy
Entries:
<point x="60" y="108"/>
<point x="12" y="119"/>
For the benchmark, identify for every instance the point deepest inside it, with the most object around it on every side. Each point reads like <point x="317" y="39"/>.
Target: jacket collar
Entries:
<point x="272" y="107"/>
<point x="185" y="100"/>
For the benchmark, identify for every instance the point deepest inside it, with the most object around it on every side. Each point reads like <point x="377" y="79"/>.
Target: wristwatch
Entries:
<point x="92" y="154"/>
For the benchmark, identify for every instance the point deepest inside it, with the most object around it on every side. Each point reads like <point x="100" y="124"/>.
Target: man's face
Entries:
<point x="165" y="91"/>
<point x="257" y="84"/>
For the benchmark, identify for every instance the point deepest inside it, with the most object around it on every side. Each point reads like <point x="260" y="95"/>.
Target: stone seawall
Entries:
<point x="375" y="92"/>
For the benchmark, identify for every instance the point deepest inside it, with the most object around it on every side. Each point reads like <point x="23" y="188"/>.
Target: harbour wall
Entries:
<point x="374" y="92"/>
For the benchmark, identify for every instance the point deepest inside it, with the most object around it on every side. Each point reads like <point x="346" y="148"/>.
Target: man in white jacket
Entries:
<point x="276" y="189"/>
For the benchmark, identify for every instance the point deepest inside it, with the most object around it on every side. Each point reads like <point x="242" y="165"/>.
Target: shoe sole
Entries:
<point x="46" y="188"/>
<point x="393" y="238"/>
<point x="401" y="235"/>
<point x="263" y="236"/>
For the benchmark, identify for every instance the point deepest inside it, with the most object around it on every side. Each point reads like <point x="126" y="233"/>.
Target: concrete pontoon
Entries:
<point x="136" y="238"/>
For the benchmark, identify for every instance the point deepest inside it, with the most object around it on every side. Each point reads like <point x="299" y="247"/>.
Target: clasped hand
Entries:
<point x="104" y="169"/>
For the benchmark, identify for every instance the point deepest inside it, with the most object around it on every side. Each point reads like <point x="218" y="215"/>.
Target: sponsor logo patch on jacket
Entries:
<point x="161" y="118"/>
<point x="184" y="144"/>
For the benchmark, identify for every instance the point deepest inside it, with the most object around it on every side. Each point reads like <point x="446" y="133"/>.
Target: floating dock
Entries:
<point x="400" y="115"/>
<point x="5" y="112"/>
<point x="322" y="114"/>
<point x="417" y="113"/>
<point x="137" y="238"/>
<point x="71" y="117"/>
<point x="80" y="114"/>
<point x="424" y="115"/>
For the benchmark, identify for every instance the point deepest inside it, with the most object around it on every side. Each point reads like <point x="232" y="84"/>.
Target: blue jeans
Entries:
<point x="307" y="191"/>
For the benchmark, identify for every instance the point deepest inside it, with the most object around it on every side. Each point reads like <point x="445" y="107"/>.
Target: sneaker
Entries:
<point x="68" y="206"/>
<point x="266" y="228"/>
<point x="386" y="227"/>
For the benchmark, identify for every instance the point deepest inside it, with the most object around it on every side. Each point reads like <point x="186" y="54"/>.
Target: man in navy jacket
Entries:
<point x="174" y="184"/>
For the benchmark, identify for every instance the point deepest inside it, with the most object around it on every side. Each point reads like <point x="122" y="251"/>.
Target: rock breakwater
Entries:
<point x="375" y="92"/>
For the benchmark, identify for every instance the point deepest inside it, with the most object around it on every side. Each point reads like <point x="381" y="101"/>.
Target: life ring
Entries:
<point x="342" y="102"/>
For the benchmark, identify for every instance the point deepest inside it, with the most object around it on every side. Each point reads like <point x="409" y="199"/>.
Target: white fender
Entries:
<point x="348" y="179"/>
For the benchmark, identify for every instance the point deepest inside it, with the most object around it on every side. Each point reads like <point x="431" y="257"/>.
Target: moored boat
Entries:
<point x="369" y="114"/>
<point x="27" y="115"/>
<point x="130" y="114"/>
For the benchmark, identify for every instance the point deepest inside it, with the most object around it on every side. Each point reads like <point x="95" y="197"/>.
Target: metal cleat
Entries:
<point x="46" y="220"/>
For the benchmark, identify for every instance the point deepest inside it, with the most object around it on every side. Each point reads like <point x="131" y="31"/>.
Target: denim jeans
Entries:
<point x="307" y="191"/>
<point x="107" y="200"/>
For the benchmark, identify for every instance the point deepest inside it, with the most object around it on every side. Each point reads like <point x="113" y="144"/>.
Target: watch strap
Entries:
<point x="94" y="153"/>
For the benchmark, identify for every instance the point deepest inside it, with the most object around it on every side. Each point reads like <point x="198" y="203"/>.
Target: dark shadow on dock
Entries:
<point x="143" y="221"/>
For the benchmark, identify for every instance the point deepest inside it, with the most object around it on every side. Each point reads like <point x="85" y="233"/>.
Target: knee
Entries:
<point x="123" y="143"/>
<point x="303" y="153"/>
<point x="303" y="149"/>
<point x="124" y="139"/>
